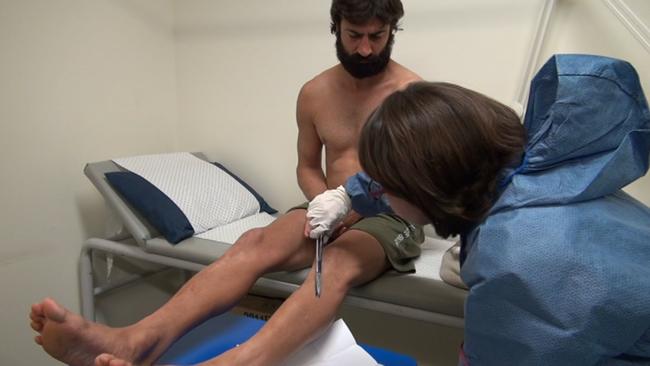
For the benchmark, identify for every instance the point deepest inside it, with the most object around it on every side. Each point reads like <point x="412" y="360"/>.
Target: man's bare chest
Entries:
<point x="339" y="122"/>
<point x="340" y="128"/>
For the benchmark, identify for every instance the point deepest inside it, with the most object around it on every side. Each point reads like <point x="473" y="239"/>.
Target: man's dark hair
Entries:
<point x="443" y="148"/>
<point x="361" y="11"/>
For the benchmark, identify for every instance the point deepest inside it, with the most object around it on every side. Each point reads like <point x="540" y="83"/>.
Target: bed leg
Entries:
<point x="86" y="286"/>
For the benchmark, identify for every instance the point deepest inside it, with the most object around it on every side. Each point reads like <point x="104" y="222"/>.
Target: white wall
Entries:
<point x="80" y="81"/>
<point x="586" y="26"/>
<point x="240" y="67"/>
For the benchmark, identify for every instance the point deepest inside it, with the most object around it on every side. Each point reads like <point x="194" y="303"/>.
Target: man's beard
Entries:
<point x="362" y="67"/>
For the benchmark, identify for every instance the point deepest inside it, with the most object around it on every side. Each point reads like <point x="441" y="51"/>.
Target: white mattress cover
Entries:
<point x="434" y="249"/>
<point x="230" y="232"/>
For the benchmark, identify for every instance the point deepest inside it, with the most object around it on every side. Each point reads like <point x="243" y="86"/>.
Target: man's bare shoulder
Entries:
<point x="316" y="93"/>
<point x="320" y="84"/>
<point x="404" y="76"/>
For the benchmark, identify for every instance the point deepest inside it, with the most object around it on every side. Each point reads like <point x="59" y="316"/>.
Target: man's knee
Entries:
<point x="341" y="270"/>
<point x="250" y="240"/>
<point x="262" y="245"/>
<point x="353" y="261"/>
<point x="278" y="246"/>
<point x="247" y="244"/>
<point x="252" y="237"/>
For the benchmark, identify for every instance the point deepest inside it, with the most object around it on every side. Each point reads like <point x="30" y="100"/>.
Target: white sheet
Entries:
<point x="336" y="347"/>
<point x="229" y="233"/>
<point x="434" y="249"/>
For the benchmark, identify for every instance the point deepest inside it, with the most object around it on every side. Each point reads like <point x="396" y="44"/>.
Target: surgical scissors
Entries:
<point x="320" y="241"/>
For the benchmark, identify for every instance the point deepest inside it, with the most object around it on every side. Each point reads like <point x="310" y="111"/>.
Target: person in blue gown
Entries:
<point x="555" y="254"/>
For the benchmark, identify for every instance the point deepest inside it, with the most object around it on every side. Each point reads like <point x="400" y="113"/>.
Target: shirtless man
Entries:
<point x="331" y="110"/>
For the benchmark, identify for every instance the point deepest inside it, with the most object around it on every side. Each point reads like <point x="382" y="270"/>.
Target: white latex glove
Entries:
<point x="327" y="210"/>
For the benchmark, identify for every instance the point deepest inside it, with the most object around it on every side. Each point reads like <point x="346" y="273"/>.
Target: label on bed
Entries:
<point x="208" y="196"/>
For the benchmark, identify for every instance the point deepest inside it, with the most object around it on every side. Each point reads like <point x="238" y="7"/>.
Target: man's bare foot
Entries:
<point x="75" y="341"/>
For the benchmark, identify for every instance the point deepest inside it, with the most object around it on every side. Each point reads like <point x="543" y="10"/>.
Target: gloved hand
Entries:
<point x="326" y="211"/>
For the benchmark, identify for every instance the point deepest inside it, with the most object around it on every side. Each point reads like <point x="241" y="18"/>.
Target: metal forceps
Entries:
<point x="320" y="241"/>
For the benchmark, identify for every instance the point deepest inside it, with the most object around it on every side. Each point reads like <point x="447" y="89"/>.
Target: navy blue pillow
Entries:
<point x="161" y="212"/>
<point x="264" y="207"/>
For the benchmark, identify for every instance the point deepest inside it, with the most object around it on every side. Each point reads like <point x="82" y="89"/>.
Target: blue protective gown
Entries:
<point x="559" y="272"/>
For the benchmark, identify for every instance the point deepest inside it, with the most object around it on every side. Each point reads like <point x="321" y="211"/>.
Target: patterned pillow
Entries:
<point x="181" y="195"/>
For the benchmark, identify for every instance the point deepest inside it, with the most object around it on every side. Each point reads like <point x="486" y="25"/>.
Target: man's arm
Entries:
<point x="311" y="178"/>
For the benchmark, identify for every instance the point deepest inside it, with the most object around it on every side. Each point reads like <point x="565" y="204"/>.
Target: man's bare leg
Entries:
<point x="73" y="340"/>
<point x="353" y="259"/>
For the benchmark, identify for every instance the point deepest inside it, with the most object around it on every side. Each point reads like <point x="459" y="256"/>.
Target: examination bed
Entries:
<point x="421" y="295"/>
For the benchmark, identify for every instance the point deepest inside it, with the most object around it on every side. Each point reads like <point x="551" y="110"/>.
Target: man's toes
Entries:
<point x="36" y="311"/>
<point x="37" y="307"/>
<point x="103" y="359"/>
<point x="53" y="311"/>
<point x="36" y="325"/>
<point x="106" y="359"/>
<point x="36" y="318"/>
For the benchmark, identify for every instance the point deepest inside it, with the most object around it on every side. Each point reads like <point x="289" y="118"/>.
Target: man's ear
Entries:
<point x="335" y="28"/>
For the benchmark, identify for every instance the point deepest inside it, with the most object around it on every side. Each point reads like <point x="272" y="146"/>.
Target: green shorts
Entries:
<point x="400" y="239"/>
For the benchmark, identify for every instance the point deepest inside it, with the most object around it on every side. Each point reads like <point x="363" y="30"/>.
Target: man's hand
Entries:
<point x="326" y="211"/>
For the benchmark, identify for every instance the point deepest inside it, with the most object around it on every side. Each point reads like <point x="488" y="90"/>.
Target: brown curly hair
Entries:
<point x="442" y="148"/>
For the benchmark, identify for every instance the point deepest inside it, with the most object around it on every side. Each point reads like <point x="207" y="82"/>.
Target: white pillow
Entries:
<point x="207" y="196"/>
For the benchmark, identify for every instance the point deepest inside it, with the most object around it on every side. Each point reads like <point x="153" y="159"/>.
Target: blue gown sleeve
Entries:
<point x="366" y="195"/>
